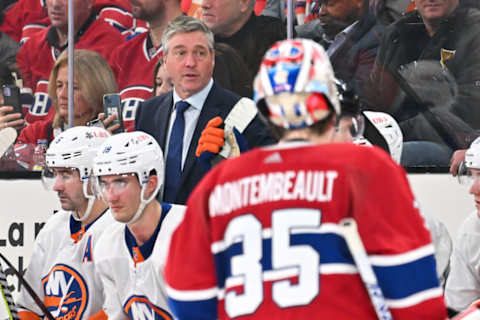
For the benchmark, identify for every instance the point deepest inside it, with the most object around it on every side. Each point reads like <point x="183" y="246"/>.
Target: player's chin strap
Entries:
<point x="143" y="202"/>
<point x="91" y="201"/>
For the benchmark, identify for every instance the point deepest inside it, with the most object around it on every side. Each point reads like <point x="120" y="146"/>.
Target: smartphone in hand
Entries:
<point x="11" y="97"/>
<point x="112" y="105"/>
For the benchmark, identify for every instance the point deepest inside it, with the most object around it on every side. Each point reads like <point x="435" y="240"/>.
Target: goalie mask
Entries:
<point x="295" y="85"/>
<point x="472" y="161"/>
<point x="130" y="153"/>
<point x="74" y="148"/>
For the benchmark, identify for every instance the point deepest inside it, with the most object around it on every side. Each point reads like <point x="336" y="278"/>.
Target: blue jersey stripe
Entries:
<point x="397" y="281"/>
<point x="195" y="310"/>
<point x="403" y="280"/>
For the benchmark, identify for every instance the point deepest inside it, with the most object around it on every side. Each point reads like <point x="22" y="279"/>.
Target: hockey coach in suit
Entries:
<point x="178" y="118"/>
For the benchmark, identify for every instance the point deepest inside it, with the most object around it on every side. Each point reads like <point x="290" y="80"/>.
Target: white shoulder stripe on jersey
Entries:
<point x="191" y="295"/>
<point x="34" y="25"/>
<point x="415" y="299"/>
<point x="148" y="89"/>
<point x="402" y="258"/>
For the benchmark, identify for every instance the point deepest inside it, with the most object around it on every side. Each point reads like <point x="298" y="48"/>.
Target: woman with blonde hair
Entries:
<point x="92" y="79"/>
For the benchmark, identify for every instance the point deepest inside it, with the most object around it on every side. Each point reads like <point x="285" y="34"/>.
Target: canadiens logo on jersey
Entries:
<point x="66" y="293"/>
<point x="140" y="308"/>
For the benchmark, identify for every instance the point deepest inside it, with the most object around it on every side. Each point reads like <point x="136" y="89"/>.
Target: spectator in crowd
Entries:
<point x="463" y="283"/>
<point x="233" y="22"/>
<point x="234" y="207"/>
<point x="27" y="17"/>
<point x="176" y="119"/>
<point x="447" y="34"/>
<point x="162" y="82"/>
<point x="134" y="61"/>
<point x="125" y="253"/>
<point x="351" y="35"/>
<point x="389" y="11"/>
<point x="63" y="250"/>
<point x="37" y="56"/>
<point x="93" y="79"/>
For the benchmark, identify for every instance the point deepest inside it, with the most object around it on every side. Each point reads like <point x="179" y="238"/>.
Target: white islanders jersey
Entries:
<point x="134" y="288"/>
<point x="62" y="271"/>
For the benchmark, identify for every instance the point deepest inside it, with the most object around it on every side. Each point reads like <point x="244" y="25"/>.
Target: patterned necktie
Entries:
<point x="173" y="167"/>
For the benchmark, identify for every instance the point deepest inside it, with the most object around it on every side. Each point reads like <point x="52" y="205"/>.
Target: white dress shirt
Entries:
<point x="191" y="116"/>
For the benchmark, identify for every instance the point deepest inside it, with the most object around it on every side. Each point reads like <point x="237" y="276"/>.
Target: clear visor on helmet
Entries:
<point x="114" y="186"/>
<point x="467" y="176"/>
<point x="51" y="175"/>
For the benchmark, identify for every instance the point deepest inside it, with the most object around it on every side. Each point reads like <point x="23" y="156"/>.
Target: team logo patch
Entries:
<point x="66" y="293"/>
<point x="446" y="55"/>
<point x="140" y="308"/>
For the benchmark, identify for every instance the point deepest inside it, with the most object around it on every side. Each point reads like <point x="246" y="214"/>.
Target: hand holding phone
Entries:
<point x="112" y="106"/>
<point x="11" y="97"/>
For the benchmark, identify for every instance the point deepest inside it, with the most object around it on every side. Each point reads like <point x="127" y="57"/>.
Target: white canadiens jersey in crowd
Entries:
<point x="261" y="239"/>
<point x="463" y="282"/>
<point x="62" y="271"/>
<point x="134" y="286"/>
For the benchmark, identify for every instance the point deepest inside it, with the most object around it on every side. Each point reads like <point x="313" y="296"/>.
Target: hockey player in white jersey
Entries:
<point x="129" y="173"/>
<point x="61" y="269"/>
<point x="463" y="282"/>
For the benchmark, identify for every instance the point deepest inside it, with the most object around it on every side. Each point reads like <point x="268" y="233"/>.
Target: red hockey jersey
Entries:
<point x="27" y="17"/>
<point x="37" y="57"/>
<point x="261" y="239"/>
<point x="133" y="64"/>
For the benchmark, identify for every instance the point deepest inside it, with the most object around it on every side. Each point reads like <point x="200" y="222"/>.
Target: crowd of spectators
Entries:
<point x="369" y="43"/>
<point x="178" y="65"/>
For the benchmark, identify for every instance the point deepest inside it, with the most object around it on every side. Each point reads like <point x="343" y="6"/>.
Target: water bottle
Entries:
<point x="39" y="155"/>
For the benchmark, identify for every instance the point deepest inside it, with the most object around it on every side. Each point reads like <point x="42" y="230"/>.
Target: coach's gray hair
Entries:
<point x="185" y="24"/>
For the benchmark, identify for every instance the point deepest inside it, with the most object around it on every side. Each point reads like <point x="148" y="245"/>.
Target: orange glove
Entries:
<point x="212" y="137"/>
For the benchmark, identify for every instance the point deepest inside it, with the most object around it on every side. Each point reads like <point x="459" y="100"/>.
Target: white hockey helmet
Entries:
<point x="131" y="152"/>
<point x="382" y="130"/>
<point x="472" y="156"/>
<point x="295" y="86"/>
<point x="75" y="148"/>
<point x="472" y="161"/>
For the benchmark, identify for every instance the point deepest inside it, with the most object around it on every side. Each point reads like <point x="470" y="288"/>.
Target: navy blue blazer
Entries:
<point x="153" y="117"/>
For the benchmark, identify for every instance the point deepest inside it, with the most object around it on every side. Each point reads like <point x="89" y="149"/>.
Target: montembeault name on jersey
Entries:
<point x="275" y="186"/>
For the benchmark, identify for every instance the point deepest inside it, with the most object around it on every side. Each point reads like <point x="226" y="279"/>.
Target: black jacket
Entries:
<point x="254" y="39"/>
<point x="153" y="117"/>
<point x="406" y="41"/>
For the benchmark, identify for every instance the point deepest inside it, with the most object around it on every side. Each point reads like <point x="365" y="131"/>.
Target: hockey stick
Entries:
<point x="355" y="245"/>
<point x="7" y="138"/>
<point x="29" y="289"/>
<point x="6" y="295"/>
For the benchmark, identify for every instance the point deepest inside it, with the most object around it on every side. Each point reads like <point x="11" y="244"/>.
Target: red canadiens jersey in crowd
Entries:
<point x="37" y="57"/>
<point x="133" y="64"/>
<point x="261" y="238"/>
<point x="26" y="17"/>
